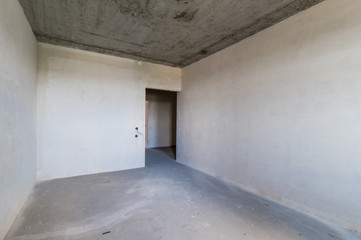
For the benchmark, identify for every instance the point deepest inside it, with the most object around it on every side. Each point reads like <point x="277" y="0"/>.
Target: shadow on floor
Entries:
<point x="169" y="151"/>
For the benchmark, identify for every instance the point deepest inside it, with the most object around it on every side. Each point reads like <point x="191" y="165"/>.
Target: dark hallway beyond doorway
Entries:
<point x="169" y="151"/>
<point x="161" y="118"/>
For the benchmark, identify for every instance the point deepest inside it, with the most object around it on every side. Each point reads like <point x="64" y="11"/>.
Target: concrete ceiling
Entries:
<point x="170" y="32"/>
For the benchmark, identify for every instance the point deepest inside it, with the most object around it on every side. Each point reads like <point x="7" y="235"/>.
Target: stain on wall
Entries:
<point x="186" y="15"/>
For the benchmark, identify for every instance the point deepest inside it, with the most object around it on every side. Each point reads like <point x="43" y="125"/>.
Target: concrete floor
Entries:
<point x="165" y="200"/>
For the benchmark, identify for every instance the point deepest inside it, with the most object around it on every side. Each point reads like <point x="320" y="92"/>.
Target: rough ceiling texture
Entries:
<point x="170" y="32"/>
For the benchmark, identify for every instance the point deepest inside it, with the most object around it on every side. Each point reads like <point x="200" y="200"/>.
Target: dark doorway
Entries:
<point x="161" y="120"/>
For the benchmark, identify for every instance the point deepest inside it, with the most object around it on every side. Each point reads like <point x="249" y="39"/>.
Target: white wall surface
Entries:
<point x="162" y="115"/>
<point x="18" y="51"/>
<point x="88" y="107"/>
<point x="280" y="113"/>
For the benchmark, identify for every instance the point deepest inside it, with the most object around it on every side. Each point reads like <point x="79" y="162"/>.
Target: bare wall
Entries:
<point x="18" y="51"/>
<point x="89" y="105"/>
<point x="162" y="115"/>
<point x="279" y="113"/>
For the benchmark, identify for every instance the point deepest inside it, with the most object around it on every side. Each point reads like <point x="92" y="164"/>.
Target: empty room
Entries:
<point x="180" y="119"/>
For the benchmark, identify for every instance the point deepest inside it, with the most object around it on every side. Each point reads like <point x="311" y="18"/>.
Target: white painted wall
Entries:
<point x="162" y="115"/>
<point x="279" y="113"/>
<point x="88" y="107"/>
<point x="17" y="111"/>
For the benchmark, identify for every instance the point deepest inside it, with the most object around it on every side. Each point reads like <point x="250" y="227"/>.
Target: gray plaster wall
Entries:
<point x="162" y="115"/>
<point x="89" y="105"/>
<point x="279" y="113"/>
<point x="18" y="51"/>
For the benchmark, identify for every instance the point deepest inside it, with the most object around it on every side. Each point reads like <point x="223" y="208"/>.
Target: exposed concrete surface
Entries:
<point x="176" y="32"/>
<point x="282" y="117"/>
<point x="18" y="49"/>
<point x="89" y="105"/>
<point x="165" y="200"/>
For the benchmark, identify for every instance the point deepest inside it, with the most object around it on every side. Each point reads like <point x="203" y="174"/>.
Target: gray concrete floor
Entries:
<point x="165" y="200"/>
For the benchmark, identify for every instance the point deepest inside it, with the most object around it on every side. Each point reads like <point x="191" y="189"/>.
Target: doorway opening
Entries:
<point x="161" y="121"/>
